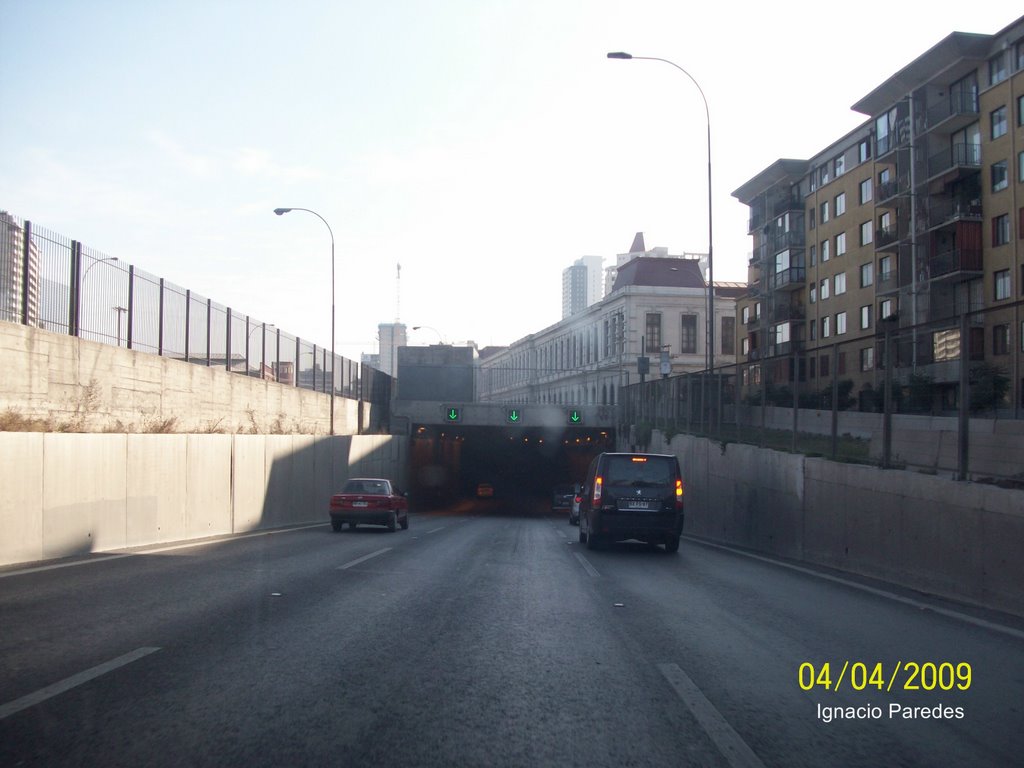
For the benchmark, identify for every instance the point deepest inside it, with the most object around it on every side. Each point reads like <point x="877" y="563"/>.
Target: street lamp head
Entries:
<point x="620" y="55"/>
<point x="281" y="211"/>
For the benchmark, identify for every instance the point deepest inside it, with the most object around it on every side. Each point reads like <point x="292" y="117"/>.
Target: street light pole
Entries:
<point x="440" y="336"/>
<point x="710" y="352"/>
<point x="281" y="212"/>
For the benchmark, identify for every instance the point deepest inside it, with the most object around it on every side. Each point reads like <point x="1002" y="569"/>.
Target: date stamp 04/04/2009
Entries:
<point x="900" y="676"/>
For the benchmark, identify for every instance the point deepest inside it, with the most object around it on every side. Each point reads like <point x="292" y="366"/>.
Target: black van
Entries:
<point x="632" y="496"/>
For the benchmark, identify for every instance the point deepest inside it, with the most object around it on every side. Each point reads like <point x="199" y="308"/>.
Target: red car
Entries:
<point x="370" y="501"/>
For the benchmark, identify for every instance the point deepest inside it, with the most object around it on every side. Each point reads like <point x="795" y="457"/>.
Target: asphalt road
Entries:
<point x="487" y="639"/>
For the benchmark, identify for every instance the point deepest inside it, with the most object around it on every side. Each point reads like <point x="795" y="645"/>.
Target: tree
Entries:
<point x="988" y="387"/>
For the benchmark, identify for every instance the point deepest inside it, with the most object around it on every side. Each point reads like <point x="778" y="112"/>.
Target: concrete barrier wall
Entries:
<point x="73" y="494"/>
<point x="958" y="540"/>
<point x="86" y="386"/>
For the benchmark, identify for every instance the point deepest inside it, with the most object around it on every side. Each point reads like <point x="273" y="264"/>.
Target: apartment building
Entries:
<point x="907" y="230"/>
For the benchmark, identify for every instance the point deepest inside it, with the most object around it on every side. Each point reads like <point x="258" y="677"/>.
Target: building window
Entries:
<point x="885" y="268"/>
<point x="823" y="175"/>
<point x="825" y="255"/>
<point x="826" y="327"/>
<point x="745" y="346"/>
<point x="864" y="151"/>
<point x="867" y="274"/>
<point x="810" y="218"/>
<point x="1001" y="340"/>
<point x="998" y="118"/>
<point x="1002" y="284"/>
<point x="839" y="284"/>
<point x="867" y="232"/>
<point x="886" y="309"/>
<point x="824" y="212"/>
<point x="813" y="295"/>
<point x="745" y="314"/>
<point x="840" y="324"/>
<point x="653" y="332"/>
<point x="728" y="343"/>
<point x="997" y="68"/>
<point x="824" y="289"/>
<point x="823" y="366"/>
<point x="813" y="330"/>
<point x="813" y="255"/>
<point x="688" y="338"/>
<point x="1020" y="110"/>
<point x="867" y="359"/>
<point x="1001" y="229"/>
<point x="840" y="204"/>
<point x="865" y="317"/>
<point x="866" y="191"/>
<point x="840" y="244"/>
<point x="1000" y="176"/>
<point x="840" y="165"/>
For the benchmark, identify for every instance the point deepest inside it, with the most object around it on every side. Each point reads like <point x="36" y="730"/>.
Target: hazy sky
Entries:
<point x="484" y="145"/>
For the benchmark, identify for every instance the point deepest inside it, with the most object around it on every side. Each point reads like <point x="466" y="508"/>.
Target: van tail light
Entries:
<point x="679" y="493"/>
<point x="598" y="483"/>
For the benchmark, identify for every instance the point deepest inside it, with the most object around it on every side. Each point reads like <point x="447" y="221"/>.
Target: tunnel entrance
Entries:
<point x="448" y="463"/>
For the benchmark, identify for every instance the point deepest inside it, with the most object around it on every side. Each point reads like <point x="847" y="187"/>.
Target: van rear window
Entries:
<point x="624" y="470"/>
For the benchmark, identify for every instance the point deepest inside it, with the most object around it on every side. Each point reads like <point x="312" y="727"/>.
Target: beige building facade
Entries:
<point x="906" y="231"/>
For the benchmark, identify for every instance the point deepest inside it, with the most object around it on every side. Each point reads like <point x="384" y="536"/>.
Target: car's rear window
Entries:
<point x="370" y="487"/>
<point x="646" y="470"/>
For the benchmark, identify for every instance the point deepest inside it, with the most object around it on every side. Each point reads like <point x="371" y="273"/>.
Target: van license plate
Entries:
<point x="645" y="505"/>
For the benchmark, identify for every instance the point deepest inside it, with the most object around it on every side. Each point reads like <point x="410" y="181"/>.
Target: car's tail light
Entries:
<point x="598" y="483"/>
<point x="679" y="493"/>
<point x="577" y="499"/>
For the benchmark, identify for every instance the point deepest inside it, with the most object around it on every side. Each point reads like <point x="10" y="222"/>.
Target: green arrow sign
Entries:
<point x="453" y="414"/>
<point x="575" y="417"/>
<point x="513" y="415"/>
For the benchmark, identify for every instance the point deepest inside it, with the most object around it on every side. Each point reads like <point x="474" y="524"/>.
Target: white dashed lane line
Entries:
<point x="6" y="710"/>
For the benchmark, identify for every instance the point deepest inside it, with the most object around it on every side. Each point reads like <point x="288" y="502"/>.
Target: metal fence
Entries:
<point x="944" y="396"/>
<point x="49" y="281"/>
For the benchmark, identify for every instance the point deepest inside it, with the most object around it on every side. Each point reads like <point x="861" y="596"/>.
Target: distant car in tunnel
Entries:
<point x="484" y="491"/>
<point x="370" y="501"/>
<point x="562" y="498"/>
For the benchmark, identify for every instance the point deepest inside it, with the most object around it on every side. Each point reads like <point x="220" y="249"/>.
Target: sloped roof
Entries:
<point x="656" y="271"/>
<point x="638" y="244"/>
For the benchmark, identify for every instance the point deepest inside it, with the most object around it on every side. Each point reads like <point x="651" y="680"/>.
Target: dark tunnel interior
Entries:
<point x="523" y="465"/>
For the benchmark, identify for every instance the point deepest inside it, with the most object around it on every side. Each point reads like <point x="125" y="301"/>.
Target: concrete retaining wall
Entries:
<point x="958" y="540"/>
<point x="927" y="442"/>
<point x="71" y="494"/>
<point x="86" y="386"/>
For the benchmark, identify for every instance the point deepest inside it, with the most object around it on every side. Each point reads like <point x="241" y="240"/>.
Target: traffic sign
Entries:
<point x="575" y="416"/>
<point x="514" y="415"/>
<point x="452" y="413"/>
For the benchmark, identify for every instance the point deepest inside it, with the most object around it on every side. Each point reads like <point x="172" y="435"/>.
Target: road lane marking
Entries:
<point x="364" y="558"/>
<point x="732" y="746"/>
<point x="586" y="564"/>
<point x="435" y="530"/>
<point x="30" y="700"/>
<point x="948" y="612"/>
<point x="155" y="550"/>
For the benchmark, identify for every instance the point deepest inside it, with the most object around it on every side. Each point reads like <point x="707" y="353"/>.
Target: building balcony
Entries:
<point x="756" y="221"/>
<point x="887" y="282"/>
<point x="783" y="240"/>
<point x="954" y="112"/>
<point x="784" y="313"/>
<point x="890" y="191"/>
<point x="788" y="279"/>
<point x="942" y="213"/>
<point x="960" y="159"/>
<point x="887" y="239"/>
<point x="956" y="264"/>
